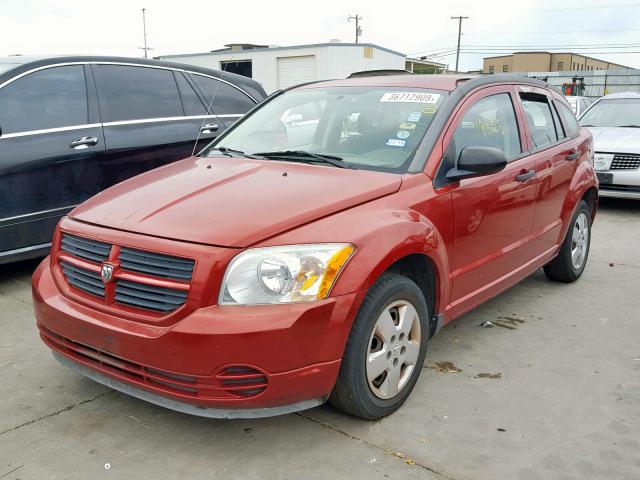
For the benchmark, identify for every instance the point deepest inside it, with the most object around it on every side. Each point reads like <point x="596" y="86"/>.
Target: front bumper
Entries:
<point x="227" y="362"/>
<point x="619" y="184"/>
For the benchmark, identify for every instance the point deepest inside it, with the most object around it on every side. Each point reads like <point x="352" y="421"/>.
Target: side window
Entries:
<point x="50" y="98"/>
<point x="228" y="100"/>
<point x="190" y="101"/>
<point x="491" y="122"/>
<point x="568" y="118"/>
<point x="539" y="119"/>
<point x="135" y="93"/>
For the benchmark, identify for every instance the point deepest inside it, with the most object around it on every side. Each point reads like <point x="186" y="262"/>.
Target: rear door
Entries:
<point x="493" y="214"/>
<point x="49" y="151"/>
<point x="151" y="117"/>
<point x="556" y="150"/>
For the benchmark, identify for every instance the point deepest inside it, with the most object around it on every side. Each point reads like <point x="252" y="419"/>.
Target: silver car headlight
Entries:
<point x="289" y="274"/>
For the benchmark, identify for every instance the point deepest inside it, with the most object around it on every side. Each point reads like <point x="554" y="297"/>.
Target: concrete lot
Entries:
<point x="551" y="392"/>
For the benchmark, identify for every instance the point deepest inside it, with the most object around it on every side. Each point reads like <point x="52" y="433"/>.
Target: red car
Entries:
<point x="310" y="252"/>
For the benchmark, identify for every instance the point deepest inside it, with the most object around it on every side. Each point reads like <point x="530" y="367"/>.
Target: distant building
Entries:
<point x="546" y="62"/>
<point x="282" y="67"/>
<point x="423" y="66"/>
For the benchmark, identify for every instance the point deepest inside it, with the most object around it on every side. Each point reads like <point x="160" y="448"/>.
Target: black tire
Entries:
<point x="562" y="268"/>
<point x="352" y="393"/>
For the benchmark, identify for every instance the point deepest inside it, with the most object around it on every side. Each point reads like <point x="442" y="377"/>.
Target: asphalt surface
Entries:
<point x="551" y="391"/>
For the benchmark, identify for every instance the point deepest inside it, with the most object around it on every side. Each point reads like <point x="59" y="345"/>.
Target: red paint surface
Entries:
<point x="482" y="235"/>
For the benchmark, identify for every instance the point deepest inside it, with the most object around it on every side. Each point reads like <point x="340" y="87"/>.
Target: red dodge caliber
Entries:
<point x="310" y="252"/>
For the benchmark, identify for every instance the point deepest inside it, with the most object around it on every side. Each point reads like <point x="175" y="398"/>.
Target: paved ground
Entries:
<point x="551" y="392"/>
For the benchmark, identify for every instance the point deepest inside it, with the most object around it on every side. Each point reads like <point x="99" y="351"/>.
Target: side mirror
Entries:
<point x="477" y="162"/>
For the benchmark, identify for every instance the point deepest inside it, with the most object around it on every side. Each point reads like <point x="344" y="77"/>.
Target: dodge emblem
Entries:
<point x="106" y="273"/>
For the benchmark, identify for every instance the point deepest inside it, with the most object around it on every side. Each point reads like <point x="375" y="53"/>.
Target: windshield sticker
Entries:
<point x="403" y="134"/>
<point x="410" y="97"/>
<point x="414" y="117"/>
<point x="407" y="126"/>
<point x="392" y="142"/>
<point x="430" y="110"/>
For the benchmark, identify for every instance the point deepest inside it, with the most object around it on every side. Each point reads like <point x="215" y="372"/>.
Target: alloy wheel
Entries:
<point x="394" y="348"/>
<point x="580" y="241"/>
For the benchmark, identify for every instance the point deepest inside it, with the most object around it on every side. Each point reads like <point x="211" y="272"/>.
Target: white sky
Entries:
<point x="114" y="27"/>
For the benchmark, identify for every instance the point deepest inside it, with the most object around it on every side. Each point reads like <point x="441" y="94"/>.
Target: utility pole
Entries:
<point x="357" y="18"/>
<point x="144" y="29"/>
<point x="459" y="36"/>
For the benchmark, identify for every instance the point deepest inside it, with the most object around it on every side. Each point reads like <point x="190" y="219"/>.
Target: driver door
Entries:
<point x="493" y="214"/>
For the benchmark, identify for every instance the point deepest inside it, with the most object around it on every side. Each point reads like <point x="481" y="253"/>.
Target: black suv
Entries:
<point x="73" y="126"/>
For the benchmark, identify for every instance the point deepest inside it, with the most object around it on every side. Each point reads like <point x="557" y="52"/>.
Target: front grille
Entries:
<point x="625" y="162"/>
<point x="155" y="264"/>
<point x="85" y="248"/>
<point x="142" y="271"/>
<point x="83" y="279"/>
<point x="150" y="297"/>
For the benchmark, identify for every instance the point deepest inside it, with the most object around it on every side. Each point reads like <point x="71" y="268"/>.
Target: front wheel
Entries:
<point x="572" y="258"/>
<point x="385" y="351"/>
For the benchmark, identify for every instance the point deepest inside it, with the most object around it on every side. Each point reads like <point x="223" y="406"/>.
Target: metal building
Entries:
<point x="282" y="67"/>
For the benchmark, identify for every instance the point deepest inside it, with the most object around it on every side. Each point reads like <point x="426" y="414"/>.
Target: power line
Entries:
<point x="555" y="32"/>
<point x="593" y="7"/>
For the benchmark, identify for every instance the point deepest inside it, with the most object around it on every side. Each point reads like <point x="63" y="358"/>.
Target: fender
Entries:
<point x="583" y="179"/>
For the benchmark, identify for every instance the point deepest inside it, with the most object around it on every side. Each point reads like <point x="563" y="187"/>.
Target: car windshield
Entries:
<point x="613" y="112"/>
<point x="360" y="127"/>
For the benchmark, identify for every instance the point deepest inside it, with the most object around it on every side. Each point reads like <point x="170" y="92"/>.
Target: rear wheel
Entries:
<point x="385" y="351"/>
<point x="572" y="258"/>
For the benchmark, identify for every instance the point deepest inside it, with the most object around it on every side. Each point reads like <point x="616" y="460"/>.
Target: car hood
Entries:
<point x="231" y="202"/>
<point x="616" y="139"/>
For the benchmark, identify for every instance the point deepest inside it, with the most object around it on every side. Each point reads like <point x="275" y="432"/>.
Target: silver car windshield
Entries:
<point x="613" y="112"/>
<point x="366" y="128"/>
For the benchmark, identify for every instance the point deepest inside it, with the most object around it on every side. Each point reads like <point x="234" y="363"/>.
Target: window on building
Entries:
<point x="560" y="66"/>
<point x="240" y="67"/>
<point x="505" y="68"/>
<point x="542" y="128"/>
<point x="50" y="98"/>
<point x="574" y="66"/>
<point x="134" y="93"/>
<point x="491" y="122"/>
<point x="491" y="69"/>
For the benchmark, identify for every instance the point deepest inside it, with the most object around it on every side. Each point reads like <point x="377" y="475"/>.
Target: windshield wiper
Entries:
<point x="230" y="152"/>
<point x="629" y="126"/>
<point x="309" y="157"/>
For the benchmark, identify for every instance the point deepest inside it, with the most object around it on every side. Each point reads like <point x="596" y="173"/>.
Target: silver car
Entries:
<point x="578" y="104"/>
<point x="614" y="121"/>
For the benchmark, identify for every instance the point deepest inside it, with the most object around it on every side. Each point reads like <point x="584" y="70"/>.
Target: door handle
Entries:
<point x="572" y="155"/>
<point x="209" y="128"/>
<point x="84" y="142"/>
<point x="526" y="175"/>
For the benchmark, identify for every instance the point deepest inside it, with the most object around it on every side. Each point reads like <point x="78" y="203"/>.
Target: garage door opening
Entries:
<point x="241" y="67"/>
<point x="295" y="70"/>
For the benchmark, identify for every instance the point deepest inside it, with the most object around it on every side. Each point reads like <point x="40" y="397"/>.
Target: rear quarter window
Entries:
<point x="568" y="119"/>
<point x="223" y="98"/>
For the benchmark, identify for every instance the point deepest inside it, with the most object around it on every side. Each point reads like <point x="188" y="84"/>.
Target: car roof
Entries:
<point x="622" y="95"/>
<point x="28" y="62"/>
<point x="435" y="82"/>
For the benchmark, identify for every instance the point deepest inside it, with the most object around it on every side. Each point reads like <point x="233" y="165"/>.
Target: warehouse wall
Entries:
<point x="337" y="61"/>
<point x="597" y="82"/>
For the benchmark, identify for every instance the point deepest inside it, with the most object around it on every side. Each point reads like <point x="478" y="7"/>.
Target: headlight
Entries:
<point x="295" y="273"/>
